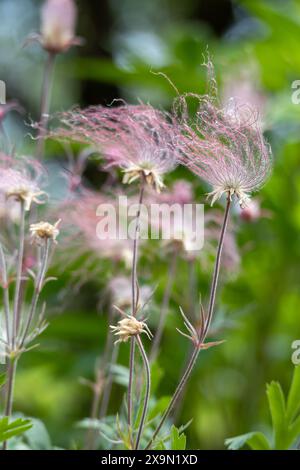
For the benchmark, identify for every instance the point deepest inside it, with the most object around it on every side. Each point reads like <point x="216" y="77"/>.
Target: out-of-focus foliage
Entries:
<point x="285" y="420"/>
<point x="258" y="306"/>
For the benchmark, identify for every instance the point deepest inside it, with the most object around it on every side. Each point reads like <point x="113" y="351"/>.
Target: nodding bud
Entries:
<point x="252" y="212"/>
<point x="58" y="22"/>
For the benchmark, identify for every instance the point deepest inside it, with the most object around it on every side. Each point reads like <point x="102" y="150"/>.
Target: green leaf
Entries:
<point x="37" y="436"/>
<point x="278" y="413"/>
<point x="293" y="401"/>
<point x="255" y="440"/>
<point x="178" y="440"/>
<point x="120" y="374"/>
<point x="2" y="380"/>
<point x="15" y="428"/>
<point x="158" y="407"/>
<point x="294" y="430"/>
<point x="160" y="446"/>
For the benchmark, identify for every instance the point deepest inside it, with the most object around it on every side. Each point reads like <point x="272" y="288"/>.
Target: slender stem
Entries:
<point x="12" y="366"/>
<point x="134" y="281"/>
<point x="192" y="293"/>
<point x="5" y="294"/>
<point x="134" y="286"/>
<point x="45" y="102"/>
<point x="37" y="290"/>
<point x="164" y="308"/>
<point x="214" y="284"/>
<point x="147" y="392"/>
<point x="197" y="348"/>
<point x="130" y="385"/>
<point x="18" y="276"/>
<point x="178" y="391"/>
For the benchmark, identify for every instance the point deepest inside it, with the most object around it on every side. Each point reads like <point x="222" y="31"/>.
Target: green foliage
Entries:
<point x="285" y="420"/>
<point x="178" y="440"/>
<point x="14" y="428"/>
<point x="2" y="380"/>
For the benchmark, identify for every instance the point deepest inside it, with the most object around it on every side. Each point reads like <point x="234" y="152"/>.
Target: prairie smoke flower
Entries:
<point x="136" y="138"/>
<point x="129" y="327"/>
<point x="81" y="215"/>
<point x="19" y="181"/>
<point x="58" y="22"/>
<point x="225" y="147"/>
<point x="180" y="193"/>
<point x="43" y="231"/>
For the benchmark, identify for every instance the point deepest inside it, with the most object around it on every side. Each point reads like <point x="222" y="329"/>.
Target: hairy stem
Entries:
<point x="130" y="386"/>
<point x="5" y="287"/>
<point x="45" y="102"/>
<point x="197" y="348"/>
<point x="37" y="290"/>
<point x="216" y="272"/>
<point x="135" y="300"/>
<point x="177" y="393"/>
<point x="134" y="279"/>
<point x="164" y="308"/>
<point x="147" y="392"/>
<point x="18" y="276"/>
<point x="11" y="374"/>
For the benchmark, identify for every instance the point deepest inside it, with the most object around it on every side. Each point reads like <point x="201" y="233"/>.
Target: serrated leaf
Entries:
<point x="178" y="440"/>
<point x="293" y="401"/>
<point x="278" y="413"/>
<point x="14" y="428"/>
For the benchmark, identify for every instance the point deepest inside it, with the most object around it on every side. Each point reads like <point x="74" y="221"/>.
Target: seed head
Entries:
<point x="43" y="231"/>
<point x="129" y="327"/>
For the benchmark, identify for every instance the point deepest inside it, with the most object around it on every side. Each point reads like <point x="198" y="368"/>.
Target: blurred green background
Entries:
<point x="255" y="48"/>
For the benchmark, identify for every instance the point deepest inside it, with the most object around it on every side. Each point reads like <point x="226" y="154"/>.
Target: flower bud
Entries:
<point x="58" y="21"/>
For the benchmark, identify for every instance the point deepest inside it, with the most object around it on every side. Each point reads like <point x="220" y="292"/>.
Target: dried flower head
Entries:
<point x="224" y="146"/>
<point x="43" y="231"/>
<point x="19" y="180"/>
<point x="128" y="327"/>
<point x="136" y="138"/>
<point x="197" y="335"/>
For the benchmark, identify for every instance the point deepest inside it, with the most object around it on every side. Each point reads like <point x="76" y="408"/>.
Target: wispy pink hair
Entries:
<point x="224" y="146"/>
<point x="127" y="136"/>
